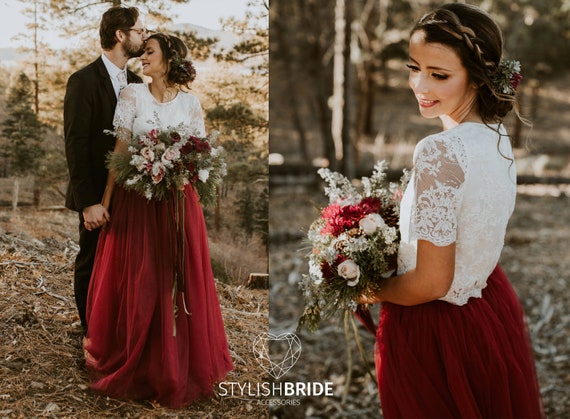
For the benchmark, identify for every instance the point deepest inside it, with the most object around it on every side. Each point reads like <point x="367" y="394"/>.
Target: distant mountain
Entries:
<point x="226" y="40"/>
<point x="9" y="56"/>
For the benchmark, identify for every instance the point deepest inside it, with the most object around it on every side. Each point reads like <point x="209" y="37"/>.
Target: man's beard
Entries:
<point x="131" y="50"/>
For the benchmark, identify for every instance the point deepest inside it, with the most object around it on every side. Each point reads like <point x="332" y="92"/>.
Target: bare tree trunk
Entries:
<point x="294" y="104"/>
<point x="348" y="139"/>
<point x="37" y="194"/>
<point x="298" y="124"/>
<point x="15" y="193"/>
<point x="36" y="64"/>
<point x="337" y="100"/>
<point x="325" y="124"/>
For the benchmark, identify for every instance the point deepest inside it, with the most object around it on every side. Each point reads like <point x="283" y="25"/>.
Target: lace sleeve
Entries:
<point x="196" y="118"/>
<point x="125" y="110"/>
<point x="439" y="171"/>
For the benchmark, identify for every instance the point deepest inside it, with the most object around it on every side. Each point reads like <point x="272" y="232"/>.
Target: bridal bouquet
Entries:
<point x="159" y="162"/>
<point x="354" y="244"/>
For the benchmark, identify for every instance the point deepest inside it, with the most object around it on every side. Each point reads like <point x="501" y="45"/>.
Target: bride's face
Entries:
<point x="152" y="59"/>
<point x="440" y="81"/>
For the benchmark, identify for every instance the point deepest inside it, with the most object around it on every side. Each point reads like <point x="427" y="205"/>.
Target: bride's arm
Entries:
<point x="123" y="123"/>
<point x="123" y="136"/>
<point x="430" y="280"/>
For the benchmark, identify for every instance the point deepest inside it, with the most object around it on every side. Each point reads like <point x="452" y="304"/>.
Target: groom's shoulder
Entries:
<point x="93" y="68"/>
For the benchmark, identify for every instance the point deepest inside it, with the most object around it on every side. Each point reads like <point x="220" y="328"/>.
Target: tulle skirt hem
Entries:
<point x="438" y="360"/>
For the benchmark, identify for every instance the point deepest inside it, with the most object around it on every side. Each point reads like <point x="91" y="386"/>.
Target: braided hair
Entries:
<point x="478" y="42"/>
<point x="180" y="70"/>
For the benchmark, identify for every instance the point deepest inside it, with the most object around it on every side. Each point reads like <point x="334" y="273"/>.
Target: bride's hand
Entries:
<point x="368" y="299"/>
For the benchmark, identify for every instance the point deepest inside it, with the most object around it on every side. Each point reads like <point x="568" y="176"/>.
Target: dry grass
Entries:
<point x="41" y="362"/>
<point x="535" y="259"/>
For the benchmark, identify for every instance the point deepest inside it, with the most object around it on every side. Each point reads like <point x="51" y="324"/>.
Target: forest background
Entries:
<point x="339" y="98"/>
<point x="345" y="115"/>
<point x="31" y="141"/>
<point x="41" y="366"/>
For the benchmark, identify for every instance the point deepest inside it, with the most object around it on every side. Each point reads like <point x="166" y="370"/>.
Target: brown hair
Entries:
<point x="478" y="42"/>
<point x="180" y="70"/>
<point x="116" y="18"/>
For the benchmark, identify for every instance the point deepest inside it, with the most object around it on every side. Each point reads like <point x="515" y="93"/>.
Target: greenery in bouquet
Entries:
<point x="162" y="161"/>
<point x="354" y="243"/>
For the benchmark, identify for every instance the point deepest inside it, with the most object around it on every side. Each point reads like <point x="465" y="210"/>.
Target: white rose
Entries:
<point x="350" y="271"/>
<point x="203" y="175"/>
<point x="169" y="155"/>
<point x="147" y="153"/>
<point x="370" y="223"/>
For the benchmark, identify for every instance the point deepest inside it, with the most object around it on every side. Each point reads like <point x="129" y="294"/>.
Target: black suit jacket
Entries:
<point x="88" y="110"/>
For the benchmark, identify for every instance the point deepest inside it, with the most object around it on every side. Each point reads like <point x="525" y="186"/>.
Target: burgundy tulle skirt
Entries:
<point x="136" y="348"/>
<point x="438" y="360"/>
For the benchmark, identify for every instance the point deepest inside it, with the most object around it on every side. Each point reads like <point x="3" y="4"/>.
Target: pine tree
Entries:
<point x="22" y="131"/>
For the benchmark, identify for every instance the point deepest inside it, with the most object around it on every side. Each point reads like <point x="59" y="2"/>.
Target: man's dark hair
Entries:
<point x="117" y="17"/>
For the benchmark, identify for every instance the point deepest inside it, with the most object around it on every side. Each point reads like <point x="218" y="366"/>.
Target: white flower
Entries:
<point x="390" y="235"/>
<point x="350" y="271"/>
<point x="169" y="155"/>
<point x="370" y="223"/>
<point x="215" y="151"/>
<point x="157" y="172"/>
<point x="203" y="175"/>
<point x="147" y="153"/>
<point x="315" y="272"/>
<point x="133" y="180"/>
<point x="139" y="162"/>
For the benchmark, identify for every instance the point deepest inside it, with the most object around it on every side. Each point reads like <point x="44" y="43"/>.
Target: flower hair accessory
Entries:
<point x="185" y="65"/>
<point x="508" y="77"/>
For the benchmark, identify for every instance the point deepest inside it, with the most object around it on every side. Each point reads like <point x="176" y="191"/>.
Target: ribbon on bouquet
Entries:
<point x="178" y="252"/>
<point x="363" y="315"/>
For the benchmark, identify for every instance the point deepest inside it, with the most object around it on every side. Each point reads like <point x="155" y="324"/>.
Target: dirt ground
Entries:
<point x="535" y="259"/>
<point x="41" y="361"/>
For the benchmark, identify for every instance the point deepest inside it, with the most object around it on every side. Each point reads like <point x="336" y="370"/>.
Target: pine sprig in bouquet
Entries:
<point x="354" y="243"/>
<point x="162" y="161"/>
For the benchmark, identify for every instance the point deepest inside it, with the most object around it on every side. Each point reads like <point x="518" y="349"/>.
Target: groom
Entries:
<point x="88" y="110"/>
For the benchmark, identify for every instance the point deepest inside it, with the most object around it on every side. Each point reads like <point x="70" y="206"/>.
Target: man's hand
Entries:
<point x="95" y="216"/>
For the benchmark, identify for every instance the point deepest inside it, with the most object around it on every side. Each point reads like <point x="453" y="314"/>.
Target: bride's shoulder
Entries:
<point x="190" y="97"/>
<point x="133" y="88"/>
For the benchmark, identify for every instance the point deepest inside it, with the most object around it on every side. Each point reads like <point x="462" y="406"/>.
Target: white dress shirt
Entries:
<point x="114" y="72"/>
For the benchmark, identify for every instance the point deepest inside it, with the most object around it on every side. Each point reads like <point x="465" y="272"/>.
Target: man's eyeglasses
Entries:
<point x="140" y="31"/>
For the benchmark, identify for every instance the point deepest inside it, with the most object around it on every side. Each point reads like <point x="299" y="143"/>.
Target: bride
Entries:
<point x="131" y="350"/>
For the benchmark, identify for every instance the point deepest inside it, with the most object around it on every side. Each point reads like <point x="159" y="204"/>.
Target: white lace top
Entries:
<point x="139" y="112"/>
<point x="462" y="190"/>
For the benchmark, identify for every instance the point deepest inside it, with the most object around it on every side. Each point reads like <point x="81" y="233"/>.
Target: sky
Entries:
<point x="206" y="13"/>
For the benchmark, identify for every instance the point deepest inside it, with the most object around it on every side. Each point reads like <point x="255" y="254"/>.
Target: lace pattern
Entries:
<point x="138" y="112"/>
<point x="439" y="181"/>
<point x="462" y="190"/>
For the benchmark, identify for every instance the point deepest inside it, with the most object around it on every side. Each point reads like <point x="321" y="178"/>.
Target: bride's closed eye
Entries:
<point x="414" y="68"/>
<point x="439" y="76"/>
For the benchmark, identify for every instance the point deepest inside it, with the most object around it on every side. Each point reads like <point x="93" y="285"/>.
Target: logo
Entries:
<point x="277" y="354"/>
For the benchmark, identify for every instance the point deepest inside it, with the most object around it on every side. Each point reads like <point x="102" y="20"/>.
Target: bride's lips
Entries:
<point x="424" y="103"/>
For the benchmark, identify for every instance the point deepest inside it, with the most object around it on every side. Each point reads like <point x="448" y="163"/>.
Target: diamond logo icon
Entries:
<point x="277" y="354"/>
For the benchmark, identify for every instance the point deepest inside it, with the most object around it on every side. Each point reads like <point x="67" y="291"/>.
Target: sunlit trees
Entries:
<point x="22" y="133"/>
